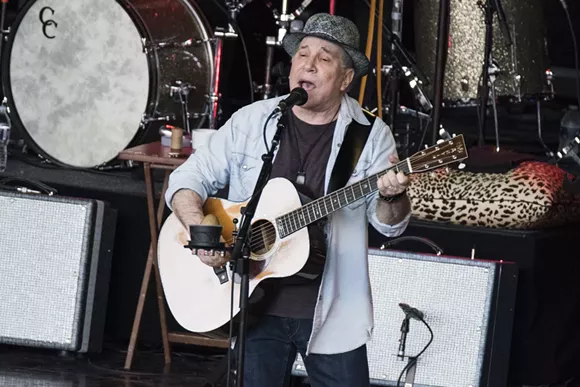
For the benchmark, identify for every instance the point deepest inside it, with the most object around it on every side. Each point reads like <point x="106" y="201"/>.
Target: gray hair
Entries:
<point x="347" y="62"/>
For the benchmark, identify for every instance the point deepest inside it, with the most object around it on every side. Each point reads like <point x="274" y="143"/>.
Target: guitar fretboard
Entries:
<point x="295" y="220"/>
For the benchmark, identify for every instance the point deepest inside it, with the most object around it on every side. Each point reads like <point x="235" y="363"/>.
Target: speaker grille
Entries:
<point x="457" y="297"/>
<point x="45" y="248"/>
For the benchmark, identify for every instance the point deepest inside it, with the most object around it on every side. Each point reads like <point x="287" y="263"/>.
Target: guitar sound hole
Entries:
<point x="263" y="237"/>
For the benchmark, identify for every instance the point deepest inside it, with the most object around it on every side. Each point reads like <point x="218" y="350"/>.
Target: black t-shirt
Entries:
<point x="302" y="158"/>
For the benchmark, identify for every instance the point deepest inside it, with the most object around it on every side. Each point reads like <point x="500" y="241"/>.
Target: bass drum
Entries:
<point x="83" y="77"/>
<point x="523" y="66"/>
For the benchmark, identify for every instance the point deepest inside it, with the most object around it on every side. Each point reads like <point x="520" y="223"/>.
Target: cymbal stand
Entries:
<point x="214" y="95"/>
<point x="286" y="22"/>
<point x="493" y="72"/>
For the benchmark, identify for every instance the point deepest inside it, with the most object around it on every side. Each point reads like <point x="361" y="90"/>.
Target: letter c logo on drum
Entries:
<point x="47" y="23"/>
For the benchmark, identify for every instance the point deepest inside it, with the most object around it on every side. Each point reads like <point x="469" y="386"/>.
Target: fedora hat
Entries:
<point x="335" y="29"/>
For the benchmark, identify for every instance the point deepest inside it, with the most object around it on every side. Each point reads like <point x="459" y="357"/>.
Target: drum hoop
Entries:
<point x="152" y="60"/>
<point x="7" y="86"/>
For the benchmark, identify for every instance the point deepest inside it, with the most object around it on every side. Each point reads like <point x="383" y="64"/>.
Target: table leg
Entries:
<point x="154" y="223"/>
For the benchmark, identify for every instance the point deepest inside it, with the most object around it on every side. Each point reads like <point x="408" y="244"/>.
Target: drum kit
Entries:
<point x="85" y="79"/>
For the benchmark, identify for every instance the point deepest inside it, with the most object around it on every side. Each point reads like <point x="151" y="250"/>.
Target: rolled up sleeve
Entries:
<point x="383" y="146"/>
<point x="208" y="169"/>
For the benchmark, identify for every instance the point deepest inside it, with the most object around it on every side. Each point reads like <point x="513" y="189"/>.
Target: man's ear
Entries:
<point x="347" y="79"/>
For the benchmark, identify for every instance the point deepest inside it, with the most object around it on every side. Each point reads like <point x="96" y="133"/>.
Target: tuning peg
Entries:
<point x="461" y="166"/>
<point x="444" y="134"/>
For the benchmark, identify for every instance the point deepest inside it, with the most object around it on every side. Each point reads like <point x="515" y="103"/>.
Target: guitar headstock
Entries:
<point x="449" y="151"/>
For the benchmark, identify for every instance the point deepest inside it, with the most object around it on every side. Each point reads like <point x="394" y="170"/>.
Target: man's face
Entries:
<point x="317" y="67"/>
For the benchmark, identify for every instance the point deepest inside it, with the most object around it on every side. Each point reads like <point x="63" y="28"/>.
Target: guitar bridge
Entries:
<point x="222" y="274"/>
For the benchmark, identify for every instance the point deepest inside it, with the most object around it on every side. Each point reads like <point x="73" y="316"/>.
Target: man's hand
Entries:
<point x="392" y="184"/>
<point x="214" y="260"/>
<point x="217" y="258"/>
<point x="188" y="207"/>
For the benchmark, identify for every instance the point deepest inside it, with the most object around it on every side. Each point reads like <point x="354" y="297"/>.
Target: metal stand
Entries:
<point x="440" y="63"/>
<point x="241" y="249"/>
<point x="493" y="71"/>
<point x="5" y="123"/>
<point x="491" y="6"/>
<point x="214" y="94"/>
<point x="286" y="22"/>
<point x="411" y="371"/>
<point x="266" y="88"/>
<point x="182" y="89"/>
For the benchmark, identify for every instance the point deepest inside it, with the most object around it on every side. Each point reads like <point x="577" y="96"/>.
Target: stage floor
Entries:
<point x="20" y="366"/>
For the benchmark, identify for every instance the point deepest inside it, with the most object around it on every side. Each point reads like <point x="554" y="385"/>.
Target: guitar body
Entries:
<point x="196" y="298"/>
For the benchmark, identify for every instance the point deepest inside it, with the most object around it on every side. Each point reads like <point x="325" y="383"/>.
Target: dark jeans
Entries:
<point x="271" y="349"/>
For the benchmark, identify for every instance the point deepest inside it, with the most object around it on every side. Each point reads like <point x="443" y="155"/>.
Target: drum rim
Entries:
<point x="206" y="30"/>
<point x="7" y="84"/>
<point x="152" y="62"/>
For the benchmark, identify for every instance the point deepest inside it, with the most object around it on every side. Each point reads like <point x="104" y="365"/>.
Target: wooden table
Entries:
<point x="156" y="156"/>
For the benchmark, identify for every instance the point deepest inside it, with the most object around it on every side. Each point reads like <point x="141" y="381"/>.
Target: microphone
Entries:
<point x="298" y="96"/>
<point x="412" y="312"/>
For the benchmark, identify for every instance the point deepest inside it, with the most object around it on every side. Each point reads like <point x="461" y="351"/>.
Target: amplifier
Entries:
<point x="55" y="258"/>
<point x="468" y="304"/>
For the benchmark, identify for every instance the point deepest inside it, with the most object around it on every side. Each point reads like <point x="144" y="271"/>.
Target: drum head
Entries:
<point x="77" y="79"/>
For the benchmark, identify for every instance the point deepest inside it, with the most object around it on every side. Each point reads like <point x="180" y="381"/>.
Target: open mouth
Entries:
<point x="306" y="85"/>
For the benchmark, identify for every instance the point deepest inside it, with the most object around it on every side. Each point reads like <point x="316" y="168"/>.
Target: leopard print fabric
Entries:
<point x="527" y="197"/>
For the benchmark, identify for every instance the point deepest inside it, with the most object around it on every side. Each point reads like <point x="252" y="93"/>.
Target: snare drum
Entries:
<point x="83" y="76"/>
<point x="523" y="66"/>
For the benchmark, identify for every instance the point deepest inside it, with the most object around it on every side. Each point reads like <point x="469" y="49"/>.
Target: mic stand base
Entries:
<point x="411" y="371"/>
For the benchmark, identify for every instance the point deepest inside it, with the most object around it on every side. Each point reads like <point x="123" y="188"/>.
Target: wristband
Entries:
<point x="391" y="199"/>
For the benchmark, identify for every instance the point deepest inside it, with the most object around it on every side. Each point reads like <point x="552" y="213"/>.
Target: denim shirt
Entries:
<point x="343" y="319"/>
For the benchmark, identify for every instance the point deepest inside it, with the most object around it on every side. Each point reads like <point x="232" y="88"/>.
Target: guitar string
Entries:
<point x="291" y="216"/>
<point x="309" y="208"/>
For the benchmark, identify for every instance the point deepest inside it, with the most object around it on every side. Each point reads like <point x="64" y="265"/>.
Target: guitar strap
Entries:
<point x="352" y="145"/>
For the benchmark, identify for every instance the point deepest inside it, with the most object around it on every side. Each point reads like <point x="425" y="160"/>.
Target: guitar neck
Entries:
<point x="317" y="209"/>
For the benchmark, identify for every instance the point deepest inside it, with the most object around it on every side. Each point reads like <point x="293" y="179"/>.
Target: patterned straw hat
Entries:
<point x="336" y="29"/>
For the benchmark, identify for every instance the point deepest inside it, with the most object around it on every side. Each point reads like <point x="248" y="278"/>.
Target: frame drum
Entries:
<point x="83" y="77"/>
<point x="522" y="66"/>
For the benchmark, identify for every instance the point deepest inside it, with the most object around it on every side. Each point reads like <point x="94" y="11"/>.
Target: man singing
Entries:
<point x="325" y="311"/>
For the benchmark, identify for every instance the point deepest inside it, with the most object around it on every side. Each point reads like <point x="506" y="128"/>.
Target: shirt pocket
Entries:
<point x="244" y="174"/>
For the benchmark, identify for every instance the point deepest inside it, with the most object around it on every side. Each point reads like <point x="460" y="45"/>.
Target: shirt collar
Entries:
<point x="351" y="110"/>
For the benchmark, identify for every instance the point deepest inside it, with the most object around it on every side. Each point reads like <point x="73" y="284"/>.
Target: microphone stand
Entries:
<point x="241" y="250"/>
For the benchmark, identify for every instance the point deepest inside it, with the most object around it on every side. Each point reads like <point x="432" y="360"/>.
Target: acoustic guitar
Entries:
<point x="199" y="297"/>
